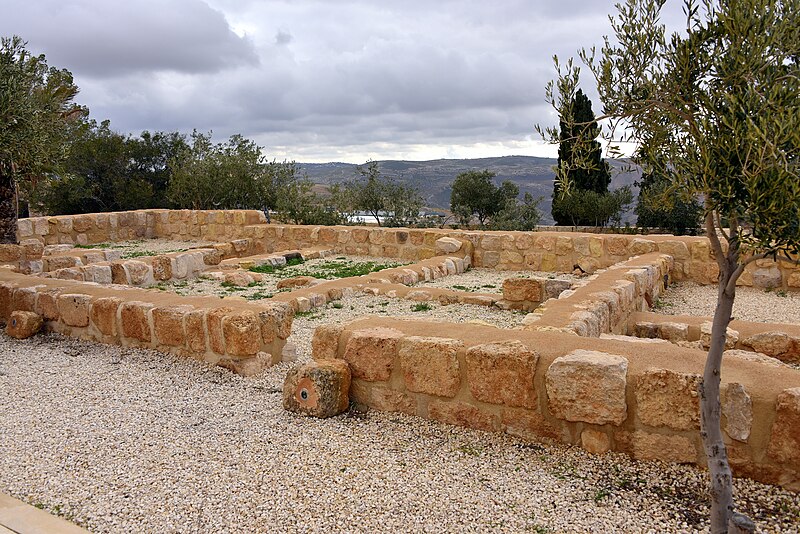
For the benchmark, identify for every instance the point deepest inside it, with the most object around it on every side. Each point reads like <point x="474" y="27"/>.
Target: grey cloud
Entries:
<point x="107" y="39"/>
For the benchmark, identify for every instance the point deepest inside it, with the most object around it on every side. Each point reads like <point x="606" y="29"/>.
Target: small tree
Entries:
<point x="715" y="111"/>
<point x="379" y="196"/>
<point x="474" y="195"/>
<point x="580" y="163"/>
<point x="659" y="206"/>
<point x="36" y="109"/>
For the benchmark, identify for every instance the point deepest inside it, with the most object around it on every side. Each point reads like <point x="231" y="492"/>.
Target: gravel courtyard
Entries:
<point x="122" y="440"/>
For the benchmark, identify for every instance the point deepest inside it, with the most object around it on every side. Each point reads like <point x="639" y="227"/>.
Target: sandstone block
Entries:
<point x="737" y="407"/>
<point x="674" y="332"/>
<point x="138" y="272"/>
<point x="103" y="315"/>
<point x="238" y="279"/>
<point x="194" y="326"/>
<point x="616" y="245"/>
<point x="553" y="288"/>
<point x="297" y="281"/>
<point x="319" y="388"/>
<point x="502" y="373"/>
<point x="784" y="441"/>
<point x="463" y="414"/>
<point x="447" y="245"/>
<point x="769" y="343"/>
<point x="676" y="249"/>
<point x="247" y="366"/>
<point x="325" y="343"/>
<point x="135" y="321"/>
<point x="371" y="352"/>
<point x="430" y="365"/>
<point x="674" y="449"/>
<point x="23" y="324"/>
<point x="767" y="278"/>
<point x="666" y="398"/>
<point x="242" y="333"/>
<point x="752" y="357"/>
<point x="522" y="289"/>
<point x="162" y="267"/>
<point x="168" y="325"/>
<point x="23" y="298"/>
<point x="639" y="246"/>
<point x="731" y="336"/>
<point x="595" y="441"/>
<point x="588" y="386"/>
<point x="100" y="274"/>
<point x="276" y="320"/>
<point x="381" y="397"/>
<point x="74" y="309"/>
<point x="47" y="304"/>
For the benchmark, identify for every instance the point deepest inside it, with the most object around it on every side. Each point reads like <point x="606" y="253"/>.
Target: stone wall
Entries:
<point x="545" y="251"/>
<point x="242" y="336"/>
<point x="601" y="394"/>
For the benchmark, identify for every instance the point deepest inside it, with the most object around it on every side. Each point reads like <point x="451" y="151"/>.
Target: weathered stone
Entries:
<point x="319" y="388"/>
<point x="134" y="320"/>
<point x="195" y="329"/>
<point x="325" y="343"/>
<point x="247" y="366"/>
<point x="99" y="274"/>
<point x="47" y="304"/>
<point x="502" y="373"/>
<point x="54" y="263"/>
<point x="731" y="336"/>
<point x="162" y="267"/>
<point x="595" y="441"/>
<point x="138" y="272"/>
<point x="103" y="315"/>
<point x="737" y="407"/>
<point x="673" y="449"/>
<point x="24" y="298"/>
<point x="676" y="249"/>
<point x="588" y="386"/>
<point x="769" y="343"/>
<point x="529" y="424"/>
<point x="552" y="288"/>
<point x="381" y="397"/>
<point x="752" y="357"/>
<point x="276" y="320"/>
<point x="784" y="440"/>
<point x="767" y="278"/>
<point x="447" y="245"/>
<point x="23" y="324"/>
<point x="616" y="245"/>
<point x="639" y="246"/>
<point x="673" y="332"/>
<point x="479" y="300"/>
<point x="666" y="398"/>
<point x="238" y="279"/>
<point x="242" y="333"/>
<point x="74" y="309"/>
<point x="297" y="281"/>
<point x="430" y="365"/>
<point x="289" y="353"/>
<point x="463" y="414"/>
<point x="168" y="325"/>
<point x="522" y="289"/>
<point x="419" y="295"/>
<point x="371" y="352"/>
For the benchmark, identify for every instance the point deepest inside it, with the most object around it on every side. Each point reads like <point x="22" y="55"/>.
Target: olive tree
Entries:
<point x="714" y="109"/>
<point x="36" y="109"/>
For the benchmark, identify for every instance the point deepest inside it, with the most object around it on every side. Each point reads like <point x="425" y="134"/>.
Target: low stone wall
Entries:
<point x="242" y="336"/>
<point x="545" y="251"/>
<point x="601" y="394"/>
<point x="781" y="341"/>
<point x="605" y="303"/>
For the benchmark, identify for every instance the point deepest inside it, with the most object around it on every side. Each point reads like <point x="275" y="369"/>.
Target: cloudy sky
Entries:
<point x="320" y="80"/>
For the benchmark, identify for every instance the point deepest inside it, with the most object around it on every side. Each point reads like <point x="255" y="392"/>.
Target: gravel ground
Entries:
<point x="149" y="247"/>
<point x="488" y="280"/>
<point x="122" y="440"/>
<point x="751" y="304"/>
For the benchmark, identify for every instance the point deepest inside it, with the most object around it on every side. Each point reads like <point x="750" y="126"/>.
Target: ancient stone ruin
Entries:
<point x="593" y="365"/>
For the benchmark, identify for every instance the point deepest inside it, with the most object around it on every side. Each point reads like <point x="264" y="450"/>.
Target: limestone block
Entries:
<point x="47" y="304"/>
<point x="162" y="267"/>
<point x="546" y="242"/>
<point x="463" y="414"/>
<point x="523" y="241"/>
<point x="82" y="223"/>
<point x="676" y="249"/>
<point x="646" y="329"/>
<point x="794" y="280"/>
<point x="134" y="320"/>
<point x="479" y="300"/>
<point x="595" y="441"/>
<point x="194" y="326"/>
<point x="118" y="274"/>
<point x="32" y="248"/>
<point x="674" y="332"/>
<point x="319" y="388"/>
<point x="419" y="295"/>
<point x="211" y="256"/>
<point x="168" y="325"/>
<point x="74" y="309"/>
<point x="666" y="398"/>
<point x="552" y="288"/>
<point x="752" y="357"/>
<point x="103" y="315"/>
<point x="371" y="353"/>
<point x="616" y="245"/>
<point x="430" y="365"/>
<point x="769" y="343"/>
<point x="23" y="324"/>
<point x="238" y="279"/>
<point x="588" y="386"/>
<point x="522" y="289"/>
<point x="247" y="366"/>
<point x="784" y="440"/>
<point x="639" y="246"/>
<point x="23" y="298"/>
<point x="99" y="274"/>
<point x="53" y="263"/>
<point x="767" y="278"/>
<point x="242" y="333"/>
<point x="737" y="407"/>
<point x="40" y="226"/>
<point x="529" y="424"/>
<point x="502" y="373"/>
<point x="673" y="449"/>
<point x="24" y="228"/>
<point x="69" y="274"/>
<point x="297" y="281"/>
<point x="138" y="272"/>
<point x="381" y="397"/>
<point x="731" y="336"/>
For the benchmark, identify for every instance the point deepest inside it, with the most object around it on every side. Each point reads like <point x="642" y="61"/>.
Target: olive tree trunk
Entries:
<point x="8" y="208"/>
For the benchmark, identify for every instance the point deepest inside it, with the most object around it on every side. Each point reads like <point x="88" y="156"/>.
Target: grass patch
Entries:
<point x="97" y="245"/>
<point x="421" y="307"/>
<point x="462" y="288"/>
<point x="337" y="305"/>
<point x="311" y="314"/>
<point x="258" y="295"/>
<point x="330" y="270"/>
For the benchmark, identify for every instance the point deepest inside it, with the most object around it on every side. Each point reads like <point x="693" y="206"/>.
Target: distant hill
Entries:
<point x="433" y="178"/>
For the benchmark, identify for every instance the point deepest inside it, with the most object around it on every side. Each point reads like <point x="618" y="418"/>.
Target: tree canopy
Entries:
<point x="714" y="110"/>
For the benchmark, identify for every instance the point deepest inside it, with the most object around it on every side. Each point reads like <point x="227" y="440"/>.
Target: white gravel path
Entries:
<point x="750" y="304"/>
<point x="488" y="280"/>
